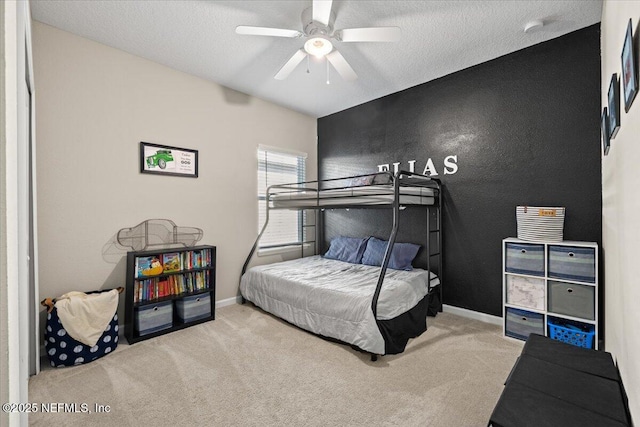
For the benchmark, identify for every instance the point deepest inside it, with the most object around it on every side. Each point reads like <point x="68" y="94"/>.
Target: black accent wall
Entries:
<point x="525" y="130"/>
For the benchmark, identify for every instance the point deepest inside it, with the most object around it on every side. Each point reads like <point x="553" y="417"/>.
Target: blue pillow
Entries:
<point x="402" y="254"/>
<point x="347" y="249"/>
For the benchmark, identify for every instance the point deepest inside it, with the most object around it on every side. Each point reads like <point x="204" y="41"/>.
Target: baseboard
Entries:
<point x="229" y="301"/>
<point x="476" y="315"/>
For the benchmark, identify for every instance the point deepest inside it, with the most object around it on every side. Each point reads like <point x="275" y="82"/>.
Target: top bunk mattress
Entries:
<point x="365" y="195"/>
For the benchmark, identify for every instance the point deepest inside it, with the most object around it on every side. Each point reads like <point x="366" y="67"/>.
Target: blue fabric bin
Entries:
<point x="194" y="307"/>
<point x="154" y="317"/>
<point x="572" y="263"/>
<point x="522" y="258"/>
<point x="520" y="323"/>
<point x="62" y="350"/>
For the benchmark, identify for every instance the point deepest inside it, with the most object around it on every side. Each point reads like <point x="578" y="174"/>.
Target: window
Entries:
<point x="279" y="167"/>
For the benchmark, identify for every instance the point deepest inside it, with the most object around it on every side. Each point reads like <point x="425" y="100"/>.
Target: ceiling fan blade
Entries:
<point x="342" y="66"/>
<point x="321" y="11"/>
<point x="371" y="34"/>
<point x="291" y="64"/>
<point x="265" y="31"/>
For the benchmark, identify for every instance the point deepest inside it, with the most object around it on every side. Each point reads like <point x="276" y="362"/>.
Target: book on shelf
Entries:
<point x="171" y="262"/>
<point x="162" y="288"/>
<point x="196" y="259"/>
<point x="148" y="266"/>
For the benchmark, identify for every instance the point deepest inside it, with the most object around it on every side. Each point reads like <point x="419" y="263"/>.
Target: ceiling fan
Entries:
<point x="317" y="24"/>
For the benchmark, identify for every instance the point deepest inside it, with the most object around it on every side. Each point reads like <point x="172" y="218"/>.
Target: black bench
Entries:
<point x="557" y="384"/>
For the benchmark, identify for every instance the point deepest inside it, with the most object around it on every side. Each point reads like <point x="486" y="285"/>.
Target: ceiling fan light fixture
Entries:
<point x="318" y="47"/>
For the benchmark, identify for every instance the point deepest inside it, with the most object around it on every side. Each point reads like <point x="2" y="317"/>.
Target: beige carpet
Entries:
<point x="248" y="368"/>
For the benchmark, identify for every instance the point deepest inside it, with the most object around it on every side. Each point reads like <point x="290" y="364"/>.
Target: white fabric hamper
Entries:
<point x="537" y="223"/>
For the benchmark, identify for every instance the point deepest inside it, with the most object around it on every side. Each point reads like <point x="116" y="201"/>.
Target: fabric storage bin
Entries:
<point x="194" y="307"/>
<point x="64" y="350"/>
<point x="525" y="291"/>
<point x="154" y="317"/>
<point x="520" y="323"/>
<point x="525" y="258"/>
<point x="540" y="223"/>
<point x="572" y="263"/>
<point x="572" y="299"/>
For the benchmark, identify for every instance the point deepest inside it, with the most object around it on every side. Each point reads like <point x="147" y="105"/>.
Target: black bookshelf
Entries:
<point x="196" y="278"/>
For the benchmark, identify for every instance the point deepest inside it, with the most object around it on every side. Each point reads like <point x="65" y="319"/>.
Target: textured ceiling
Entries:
<point x="198" y="37"/>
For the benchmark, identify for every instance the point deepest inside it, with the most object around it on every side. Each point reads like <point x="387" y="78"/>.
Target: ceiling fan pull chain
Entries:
<point x="308" y="65"/>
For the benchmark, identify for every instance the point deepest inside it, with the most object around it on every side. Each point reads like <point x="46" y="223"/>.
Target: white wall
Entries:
<point x="621" y="212"/>
<point x="95" y="105"/>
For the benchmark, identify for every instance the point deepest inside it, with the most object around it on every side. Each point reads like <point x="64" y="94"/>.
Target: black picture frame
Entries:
<point x="614" y="106"/>
<point x="154" y="159"/>
<point x="629" y="74"/>
<point x="606" y="142"/>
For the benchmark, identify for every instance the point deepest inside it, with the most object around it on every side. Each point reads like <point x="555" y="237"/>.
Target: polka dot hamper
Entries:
<point x="63" y="350"/>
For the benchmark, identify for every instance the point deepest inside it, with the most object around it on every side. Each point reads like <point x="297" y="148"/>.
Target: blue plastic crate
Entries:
<point x="572" y="334"/>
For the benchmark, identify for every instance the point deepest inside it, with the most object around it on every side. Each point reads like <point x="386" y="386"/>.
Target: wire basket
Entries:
<point x="158" y="232"/>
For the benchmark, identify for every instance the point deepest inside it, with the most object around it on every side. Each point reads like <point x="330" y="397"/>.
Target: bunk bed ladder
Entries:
<point x="439" y="252"/>
<point x="440" y="248"/>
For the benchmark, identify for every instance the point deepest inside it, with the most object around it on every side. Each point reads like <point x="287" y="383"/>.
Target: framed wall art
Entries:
<point x="165" y="160"/>
<point x="629" y="70"/>
<point x="606" y="142"/>
<point x="614" y="106"/>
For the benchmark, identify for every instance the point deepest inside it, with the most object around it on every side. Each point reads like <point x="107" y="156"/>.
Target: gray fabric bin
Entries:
<point x="194" y="307"/>
<point x="154" y="317"/>
<point x="524" y="258"/>
<point x="572" y="299"/>
<point x="520" y="323"/>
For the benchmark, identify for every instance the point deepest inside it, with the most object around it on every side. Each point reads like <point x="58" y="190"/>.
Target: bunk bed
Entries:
<point x="374" y="308"/>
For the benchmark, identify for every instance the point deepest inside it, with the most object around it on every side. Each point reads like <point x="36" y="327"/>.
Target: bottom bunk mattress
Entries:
<point x="333" y="298"/>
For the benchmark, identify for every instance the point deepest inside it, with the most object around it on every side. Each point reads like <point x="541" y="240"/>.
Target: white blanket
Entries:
<point x="333" y="298"/>
<point x="86" y="316"/>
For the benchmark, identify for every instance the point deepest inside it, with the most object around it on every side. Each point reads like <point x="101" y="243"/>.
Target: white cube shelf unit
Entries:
<point x="550" y="288"/>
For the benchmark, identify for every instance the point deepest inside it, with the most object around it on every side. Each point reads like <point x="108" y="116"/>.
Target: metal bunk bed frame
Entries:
<point x="396" y="207"/>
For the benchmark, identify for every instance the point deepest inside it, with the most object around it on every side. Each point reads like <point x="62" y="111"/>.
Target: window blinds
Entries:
<point x="275" y="167"/>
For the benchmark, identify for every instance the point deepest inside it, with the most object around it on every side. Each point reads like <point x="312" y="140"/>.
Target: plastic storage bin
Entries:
<point x="575" y="333"/>
<point x="194" y="307"/>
